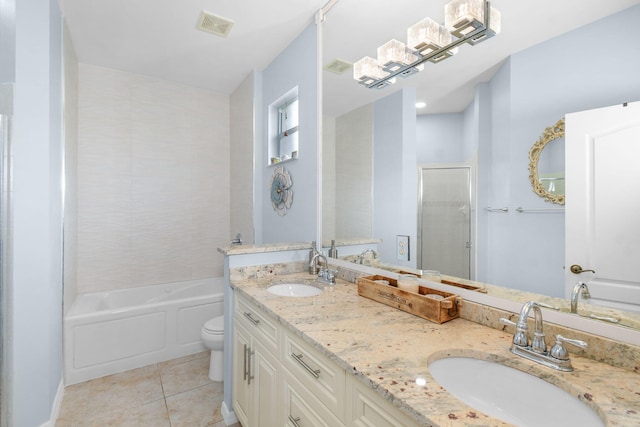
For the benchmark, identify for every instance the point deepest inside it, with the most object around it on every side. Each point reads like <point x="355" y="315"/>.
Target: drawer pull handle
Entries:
<point x="298" y="358"/>
<point x="250" y="317"/>
<point x="294" y="421"/>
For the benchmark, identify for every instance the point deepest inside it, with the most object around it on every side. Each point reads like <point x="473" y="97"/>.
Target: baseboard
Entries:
<point x="55" y="408"/>
<point x="228" y="415"/>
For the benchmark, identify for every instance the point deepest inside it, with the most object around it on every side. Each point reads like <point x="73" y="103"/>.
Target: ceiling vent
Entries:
<point x="214" y="24"/>
<point x="338" y="66"/>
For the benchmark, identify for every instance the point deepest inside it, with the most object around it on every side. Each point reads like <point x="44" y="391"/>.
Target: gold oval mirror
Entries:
<point x="546" y="164"/>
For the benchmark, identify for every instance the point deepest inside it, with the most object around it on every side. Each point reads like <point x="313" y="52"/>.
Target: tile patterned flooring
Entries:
<point x="176" y="393"/>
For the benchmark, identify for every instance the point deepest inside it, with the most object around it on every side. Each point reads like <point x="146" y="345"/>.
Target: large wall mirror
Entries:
<point x="485" y="108"/>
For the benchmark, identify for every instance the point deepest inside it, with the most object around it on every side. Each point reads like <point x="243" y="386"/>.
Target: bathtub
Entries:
<point x="110" y="332"/>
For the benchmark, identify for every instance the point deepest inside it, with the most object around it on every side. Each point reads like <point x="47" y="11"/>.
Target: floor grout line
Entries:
<point x="82" y="417"/>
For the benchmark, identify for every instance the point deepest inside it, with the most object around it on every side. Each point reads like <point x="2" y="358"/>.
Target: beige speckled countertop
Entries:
<point x="389" y="349"/>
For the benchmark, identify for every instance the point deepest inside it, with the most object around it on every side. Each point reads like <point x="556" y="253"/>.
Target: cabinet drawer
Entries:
<point x="367" y="408"/>
<point x="320" y="375"/>
<point x="262" y="327"/>
<point x="302" y="409"/>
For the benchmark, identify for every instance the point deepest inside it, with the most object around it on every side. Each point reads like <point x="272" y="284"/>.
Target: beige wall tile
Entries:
<point x="153" y="180"/>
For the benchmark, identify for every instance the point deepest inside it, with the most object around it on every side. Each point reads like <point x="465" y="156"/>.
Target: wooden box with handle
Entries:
<point x="431" y="304"/>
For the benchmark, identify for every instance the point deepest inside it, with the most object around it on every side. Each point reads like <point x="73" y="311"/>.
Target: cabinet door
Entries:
<point x="241" y="395"/>
<point x="266" y="394"/>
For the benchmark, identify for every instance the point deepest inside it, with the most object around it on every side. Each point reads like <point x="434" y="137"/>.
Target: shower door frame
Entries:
<point x="470" y="167"/>
<point x="5" y="254"/>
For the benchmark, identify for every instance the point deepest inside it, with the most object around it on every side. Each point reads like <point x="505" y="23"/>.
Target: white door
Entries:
<point x="603" y="203"/>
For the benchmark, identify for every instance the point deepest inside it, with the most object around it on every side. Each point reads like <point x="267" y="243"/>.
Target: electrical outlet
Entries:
<point x="402" y="247"/>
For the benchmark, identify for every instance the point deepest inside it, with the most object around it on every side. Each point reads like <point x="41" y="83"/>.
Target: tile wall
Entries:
<point x="153" y="180"/>
<point x="70" y="171"/>
<point x="354" y="173"/>
<point x="241" y="193"/>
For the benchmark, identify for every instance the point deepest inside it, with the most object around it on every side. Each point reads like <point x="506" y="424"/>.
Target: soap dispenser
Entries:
<point x="333" y="252"/>
<point x="313" y="261"/>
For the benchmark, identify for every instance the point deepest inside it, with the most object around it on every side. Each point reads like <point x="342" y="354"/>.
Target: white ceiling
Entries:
<point x="159" y="38"/>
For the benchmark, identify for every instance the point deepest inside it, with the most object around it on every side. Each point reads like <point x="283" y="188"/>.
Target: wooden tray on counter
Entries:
<point x="470" y="287"/>
<point x="474" y="288"/>
<point x="434" y="310"/>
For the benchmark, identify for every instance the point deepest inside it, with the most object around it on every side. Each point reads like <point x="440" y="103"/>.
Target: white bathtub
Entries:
<point x="110" y="332"/>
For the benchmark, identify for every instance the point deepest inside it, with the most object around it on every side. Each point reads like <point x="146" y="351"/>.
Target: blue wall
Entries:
<point x="296" y="66"/>
<point x="35" y="320"/>
<point x="441" y="137"/>
<point x="394" y="173"/>
<point x="594" y="66"/>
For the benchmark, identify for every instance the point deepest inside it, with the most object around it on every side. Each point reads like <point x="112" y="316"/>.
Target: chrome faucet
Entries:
<point x="313" y="265"/>
<point x="325" y="274"/>
<point x="556" y="358"/>
<point x="520" y="338"/>
<point x="582" y="289"/>
<point x="366" y="251"/>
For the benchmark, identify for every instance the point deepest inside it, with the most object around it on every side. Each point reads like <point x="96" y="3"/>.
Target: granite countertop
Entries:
<point x="389" y="350"/>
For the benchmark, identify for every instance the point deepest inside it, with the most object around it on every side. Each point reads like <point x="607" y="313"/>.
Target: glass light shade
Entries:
<point x="459" y="16"/>
<point x="367" y="69"/>
<point x="428" y="36"/>
<point x="394" y="52"/>
<point x="427" y="32"/>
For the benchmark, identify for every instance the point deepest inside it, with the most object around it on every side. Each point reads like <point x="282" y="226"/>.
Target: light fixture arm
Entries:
<point x="480" y="33"/>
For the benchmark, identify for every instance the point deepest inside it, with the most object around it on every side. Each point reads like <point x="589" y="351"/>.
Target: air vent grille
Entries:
<point x="338" y="66"/>
<point x="214" y="24"/>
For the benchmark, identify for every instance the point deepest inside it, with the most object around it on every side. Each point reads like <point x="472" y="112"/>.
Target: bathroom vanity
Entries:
<point x="338" y="359"/>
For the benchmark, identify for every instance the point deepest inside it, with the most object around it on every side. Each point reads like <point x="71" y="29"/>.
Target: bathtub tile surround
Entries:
<point x="176" y="393"/>
<point x="153" y="179"/>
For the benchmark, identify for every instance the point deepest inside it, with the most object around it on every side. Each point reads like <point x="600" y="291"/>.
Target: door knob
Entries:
<point x="577" y="269"/>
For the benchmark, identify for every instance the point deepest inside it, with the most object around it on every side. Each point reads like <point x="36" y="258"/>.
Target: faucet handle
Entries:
<point x="520" y="337"/>
<point x="507" y="322"/>
<point x="321" y="271"/>
<point x="559" y="351"/>
<point x="330" y="275"/>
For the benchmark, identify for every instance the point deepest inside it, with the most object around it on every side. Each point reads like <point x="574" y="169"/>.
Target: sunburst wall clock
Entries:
<point x="281" y="192"/>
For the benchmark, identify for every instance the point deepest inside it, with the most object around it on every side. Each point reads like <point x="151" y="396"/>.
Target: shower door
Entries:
<point x="445" y="220"/>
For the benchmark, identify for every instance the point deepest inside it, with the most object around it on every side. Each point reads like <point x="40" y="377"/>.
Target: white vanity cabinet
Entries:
<point x="256" y="396"/>
<point x="311" y="379"/>
<point x="280" y="380"/>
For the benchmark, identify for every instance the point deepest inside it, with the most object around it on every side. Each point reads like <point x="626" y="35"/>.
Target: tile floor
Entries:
<point x="176" y="393"/>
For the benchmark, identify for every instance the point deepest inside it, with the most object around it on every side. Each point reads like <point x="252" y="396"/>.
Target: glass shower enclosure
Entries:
<point x="444" y="224"/>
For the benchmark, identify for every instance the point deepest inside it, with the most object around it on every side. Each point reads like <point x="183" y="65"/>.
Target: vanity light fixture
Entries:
<point x="466" y="21"/>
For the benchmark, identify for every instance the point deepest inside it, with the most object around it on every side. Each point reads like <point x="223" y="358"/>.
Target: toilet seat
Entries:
<point x="215" y="326"/>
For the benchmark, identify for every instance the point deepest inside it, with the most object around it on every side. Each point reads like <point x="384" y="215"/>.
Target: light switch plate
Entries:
<point x="402" y="247"/>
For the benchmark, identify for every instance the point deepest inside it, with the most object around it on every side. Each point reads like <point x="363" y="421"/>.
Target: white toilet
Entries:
<point x="212" y="335"/>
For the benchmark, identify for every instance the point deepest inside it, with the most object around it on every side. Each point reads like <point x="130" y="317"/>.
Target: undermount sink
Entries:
<point x="294" y="290"/>
<point x="510" y="395"/>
